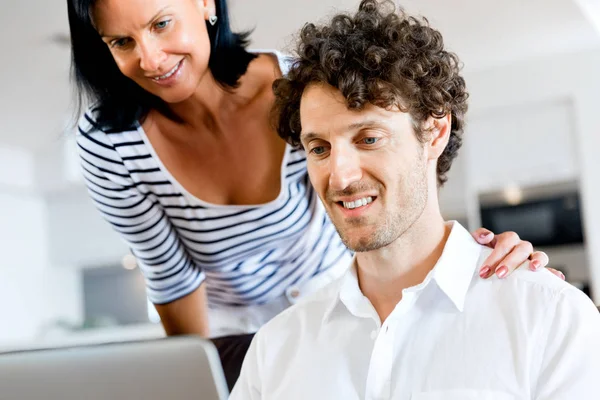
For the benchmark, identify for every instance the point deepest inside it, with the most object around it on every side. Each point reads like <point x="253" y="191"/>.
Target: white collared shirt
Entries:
<point x="454" y="336"/>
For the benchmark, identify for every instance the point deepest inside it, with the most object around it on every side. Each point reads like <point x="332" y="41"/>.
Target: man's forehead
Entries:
<point x="316" y="94"/>
<point x="349" y="122"/>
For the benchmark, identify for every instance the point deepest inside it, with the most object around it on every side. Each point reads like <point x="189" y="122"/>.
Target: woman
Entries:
<point x="179" y="156"/>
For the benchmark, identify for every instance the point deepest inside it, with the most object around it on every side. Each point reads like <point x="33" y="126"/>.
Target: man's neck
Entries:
<point x="384" y="273"/>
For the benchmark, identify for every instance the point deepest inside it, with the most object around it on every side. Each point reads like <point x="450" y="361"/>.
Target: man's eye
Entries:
<point x="370" y="140"/>
<point x="318" y="150"/>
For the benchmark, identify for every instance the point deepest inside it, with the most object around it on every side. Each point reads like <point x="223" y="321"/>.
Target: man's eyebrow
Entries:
<point x="107" y="36"/>
<point x="309" y="136"/>
<point x="370" y="123"/>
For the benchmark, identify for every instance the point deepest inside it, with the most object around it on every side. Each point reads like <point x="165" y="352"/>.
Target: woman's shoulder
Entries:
<point x="268" y="66"/>
<point x="259" y="77"/>
<point x="88" y="121"/>
<point x="94" y="121"/>
<point x="283" y="60"/>
<point x="96" y="140"/>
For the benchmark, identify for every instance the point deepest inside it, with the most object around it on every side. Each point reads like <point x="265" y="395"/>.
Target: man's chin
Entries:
<point x="362" y="243"/>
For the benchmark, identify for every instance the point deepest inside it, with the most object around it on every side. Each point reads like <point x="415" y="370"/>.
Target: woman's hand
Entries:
<point x="509" y="253"/>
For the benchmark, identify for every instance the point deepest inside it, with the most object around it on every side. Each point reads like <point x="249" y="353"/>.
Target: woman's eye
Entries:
<point x="162" y="24"/>
<point x="370" y="140"/>
<point x="119" y="42"/>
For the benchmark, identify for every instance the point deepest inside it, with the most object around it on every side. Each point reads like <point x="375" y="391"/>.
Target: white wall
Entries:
<point x="500" y="143"/>
<point x="34" y="291"/>
<point x="22" y="246"/>
<point x="17" y="169"/>
<point x="23" y="260"/>
<point x="453" y="193"/>
<point x="586" y="101"/>
<point x="50" y="230"/>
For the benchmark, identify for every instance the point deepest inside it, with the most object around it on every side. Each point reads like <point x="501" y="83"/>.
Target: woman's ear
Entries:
<point x="439" y="130"/>
<point x="209" y="6"/>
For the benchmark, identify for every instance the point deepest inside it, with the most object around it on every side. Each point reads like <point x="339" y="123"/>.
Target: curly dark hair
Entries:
<point x="381" y="56"/>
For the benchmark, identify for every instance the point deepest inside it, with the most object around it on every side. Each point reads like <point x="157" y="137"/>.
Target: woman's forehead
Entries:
<point x="130" y="14"/>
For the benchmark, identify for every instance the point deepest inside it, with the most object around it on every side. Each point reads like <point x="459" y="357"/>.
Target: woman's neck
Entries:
<point x="213" y="106"/>
<point x="205" y="108"/>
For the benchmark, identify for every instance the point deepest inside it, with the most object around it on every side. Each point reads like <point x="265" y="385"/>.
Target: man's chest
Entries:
<point x="420" y="359"/>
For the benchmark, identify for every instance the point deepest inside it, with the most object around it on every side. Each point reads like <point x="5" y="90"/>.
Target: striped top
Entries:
<point x="246" y="255"/>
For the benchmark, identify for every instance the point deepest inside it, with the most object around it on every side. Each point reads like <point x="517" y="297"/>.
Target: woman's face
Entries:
<point x="162" y="45"/>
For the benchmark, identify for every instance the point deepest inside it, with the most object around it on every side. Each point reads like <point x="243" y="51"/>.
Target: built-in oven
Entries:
<point x="545" y="216"/>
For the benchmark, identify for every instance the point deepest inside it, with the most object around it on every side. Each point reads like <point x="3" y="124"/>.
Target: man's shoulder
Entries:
<point x="536" y="287"/>
<point x="542" y="281"/>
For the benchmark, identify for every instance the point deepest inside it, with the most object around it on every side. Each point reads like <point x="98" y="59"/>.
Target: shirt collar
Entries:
<point x="454" y="270"/>
<point x="452" y="273"/>
<point x="349" y="296"/>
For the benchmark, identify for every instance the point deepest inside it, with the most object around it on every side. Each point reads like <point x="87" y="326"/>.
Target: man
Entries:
<point x="381" y="112"/>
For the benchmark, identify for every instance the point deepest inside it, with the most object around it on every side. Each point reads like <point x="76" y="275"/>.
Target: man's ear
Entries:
<point x="439" y="131"/>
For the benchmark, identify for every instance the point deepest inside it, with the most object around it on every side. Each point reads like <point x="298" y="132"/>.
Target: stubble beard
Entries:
<point x="393" y="223"/>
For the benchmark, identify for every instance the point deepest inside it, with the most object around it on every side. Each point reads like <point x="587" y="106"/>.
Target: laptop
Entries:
<point x="184" y="367"/>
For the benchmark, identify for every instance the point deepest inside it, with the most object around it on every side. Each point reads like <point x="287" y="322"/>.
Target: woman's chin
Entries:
<point x="174" y="96"/>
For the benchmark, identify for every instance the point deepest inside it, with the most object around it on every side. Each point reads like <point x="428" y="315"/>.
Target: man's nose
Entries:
<point x="345" y="168"/>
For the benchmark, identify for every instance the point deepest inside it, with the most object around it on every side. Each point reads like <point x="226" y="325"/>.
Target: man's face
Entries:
<point x="367" y="166"/>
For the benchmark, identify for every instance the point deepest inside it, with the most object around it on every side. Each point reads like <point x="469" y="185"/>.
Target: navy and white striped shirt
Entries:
<point x="246" y="255"/>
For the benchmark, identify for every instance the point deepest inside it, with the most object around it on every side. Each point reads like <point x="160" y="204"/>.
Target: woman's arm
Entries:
<point x="187" y="315"/>
<point x="172" y="277"/>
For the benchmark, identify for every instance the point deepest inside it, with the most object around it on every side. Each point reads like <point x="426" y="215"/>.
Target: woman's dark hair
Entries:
<point x="379" y="56"/>
<point x="120" y="101"/>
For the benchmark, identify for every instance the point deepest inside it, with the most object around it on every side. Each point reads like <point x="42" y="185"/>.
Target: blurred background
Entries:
<point x="529" y="163"/>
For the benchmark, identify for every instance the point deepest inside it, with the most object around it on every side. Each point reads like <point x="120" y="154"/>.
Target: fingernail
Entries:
<point x="484" y="234"/>
<point x="564" y="278"/>
<point x="534" y="265"/>
<point x="502" y="271"/>
<point x="483" y="272"/>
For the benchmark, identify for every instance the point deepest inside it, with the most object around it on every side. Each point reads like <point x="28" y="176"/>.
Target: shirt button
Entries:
<point x="293" y="293"/>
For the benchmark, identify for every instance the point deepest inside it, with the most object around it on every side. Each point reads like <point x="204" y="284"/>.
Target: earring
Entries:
<point x="212" y="20"/>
